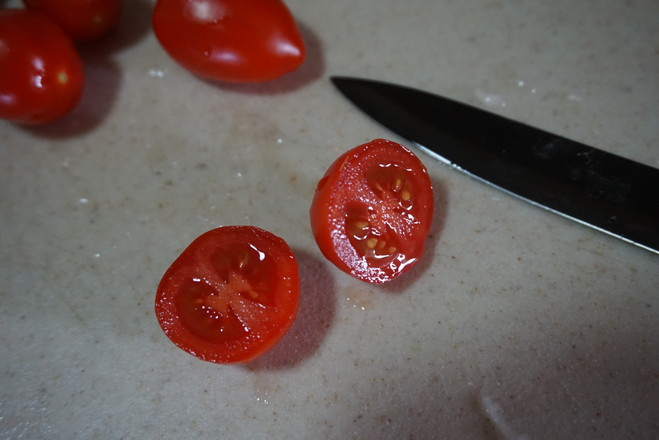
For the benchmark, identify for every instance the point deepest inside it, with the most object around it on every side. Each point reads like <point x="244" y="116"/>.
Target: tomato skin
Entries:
<point x="82" y="20"/>
<point x="372" y="211"/>
<point x="41" y="74"/>
<point x="230" y="296"/>
<point x="240" y="41"/>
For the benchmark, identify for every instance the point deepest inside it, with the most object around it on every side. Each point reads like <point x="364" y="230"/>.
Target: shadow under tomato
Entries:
<point x="134" y="24"/>
<point x="315" y="316"/>
<point x="439" y="219"/>
<point x="311" y="69"/>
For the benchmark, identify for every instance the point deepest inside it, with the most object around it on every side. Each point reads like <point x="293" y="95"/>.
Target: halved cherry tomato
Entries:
<point x="41" y="73"/>
<point x="230" y="296"/>
<point x="82" y="20"/>
<point x="372" y="211"/>
<point x="230" y="40"/>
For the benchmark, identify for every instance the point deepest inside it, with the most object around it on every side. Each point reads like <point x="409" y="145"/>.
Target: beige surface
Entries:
<point x="518" y="323"/>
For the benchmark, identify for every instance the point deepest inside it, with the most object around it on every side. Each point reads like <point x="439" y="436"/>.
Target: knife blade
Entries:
<point x="607" y="192"/>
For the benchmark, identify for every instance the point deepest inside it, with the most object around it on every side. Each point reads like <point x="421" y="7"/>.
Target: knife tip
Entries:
<point x="337" y="78"/>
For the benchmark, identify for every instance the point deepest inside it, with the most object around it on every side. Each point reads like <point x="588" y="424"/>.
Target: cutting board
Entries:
<point x="516" y="324"/>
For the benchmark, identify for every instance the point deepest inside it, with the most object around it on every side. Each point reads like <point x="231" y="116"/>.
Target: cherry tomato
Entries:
<point x="372" y="211"/>
<point x="82" y="20"/>
<point x="41" y="74"/>
<point x="230" y="40"/>
<point x="230" y="296"/>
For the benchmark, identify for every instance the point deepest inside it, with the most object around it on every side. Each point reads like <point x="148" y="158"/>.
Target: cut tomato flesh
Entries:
<point x="372" y="211"/>
<point x="231" y="294"/>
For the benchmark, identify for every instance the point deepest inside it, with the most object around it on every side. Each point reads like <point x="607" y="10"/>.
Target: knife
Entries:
<point x="609" y="193"/>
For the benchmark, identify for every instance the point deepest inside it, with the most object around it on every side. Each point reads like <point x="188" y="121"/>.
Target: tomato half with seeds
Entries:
<point x="239" y="41"/>
<point x="82" y="20"/>
<point x="230" y="296"/>
<point x="372" y="211"/>
<point x="41" y="73"/>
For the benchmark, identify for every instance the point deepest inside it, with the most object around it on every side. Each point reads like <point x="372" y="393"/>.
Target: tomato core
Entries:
<point x="206" y="306"/>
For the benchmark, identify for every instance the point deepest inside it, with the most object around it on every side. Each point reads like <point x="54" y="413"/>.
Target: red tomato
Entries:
<point x="230" y="296"/>
<point x="41" y="74"/>
<point x="230" y="40"/>
<point x="372" y="211"/>
<point x="82" y="20"/>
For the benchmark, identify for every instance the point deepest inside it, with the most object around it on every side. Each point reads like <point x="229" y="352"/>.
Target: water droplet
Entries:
<point x="491" y="99"/>
<point x="156" y="73"/>
<point x="262" y="396"/>
<point x="358" y="299"/>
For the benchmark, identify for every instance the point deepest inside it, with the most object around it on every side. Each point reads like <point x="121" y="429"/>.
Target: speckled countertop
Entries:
<point x="517" y="324"/>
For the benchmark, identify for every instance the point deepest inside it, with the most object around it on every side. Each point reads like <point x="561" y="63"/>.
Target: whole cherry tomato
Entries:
<point x="372" y="211"/>
<point x="82" y="20"/>
<point x="41" y="74"/>
<point x="230" y="296"/>
<point x="230" y="40"/>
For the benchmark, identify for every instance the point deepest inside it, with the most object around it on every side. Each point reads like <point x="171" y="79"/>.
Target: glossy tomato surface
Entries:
<point x="372" y="211"/>
<point x="41" y="74"/>
<point x="230" y="40"/>
<point x="82" y="20"/>
<point x="230" y="296"/>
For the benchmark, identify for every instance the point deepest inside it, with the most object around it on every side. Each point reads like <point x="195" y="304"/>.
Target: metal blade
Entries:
<point x="598" y="189"/>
